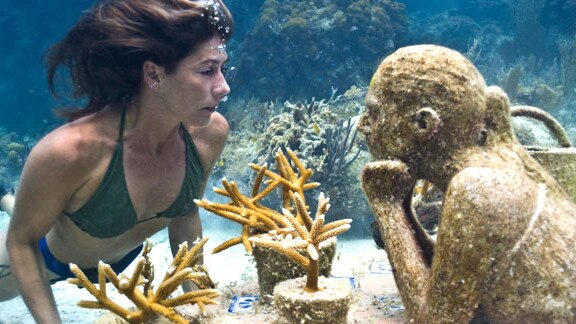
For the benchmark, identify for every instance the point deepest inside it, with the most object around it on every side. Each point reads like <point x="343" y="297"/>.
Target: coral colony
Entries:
<point x="288" y="233"/>
<point x="148" y="302"/>
<point x="304" y="236"/>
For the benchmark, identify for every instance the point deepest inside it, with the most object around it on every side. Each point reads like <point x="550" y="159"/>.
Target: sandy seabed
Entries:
<point x="357" y="261"/>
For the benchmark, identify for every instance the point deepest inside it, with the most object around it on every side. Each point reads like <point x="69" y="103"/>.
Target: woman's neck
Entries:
<point x="148" y="130"/>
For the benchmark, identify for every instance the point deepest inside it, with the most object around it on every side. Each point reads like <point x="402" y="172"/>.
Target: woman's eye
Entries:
<point x="208" y="71"/>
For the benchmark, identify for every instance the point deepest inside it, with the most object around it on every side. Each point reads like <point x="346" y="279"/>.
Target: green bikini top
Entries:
<point x="109" y="212"/>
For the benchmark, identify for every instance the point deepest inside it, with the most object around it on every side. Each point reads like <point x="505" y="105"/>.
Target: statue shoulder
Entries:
<point x="491" y="200"/>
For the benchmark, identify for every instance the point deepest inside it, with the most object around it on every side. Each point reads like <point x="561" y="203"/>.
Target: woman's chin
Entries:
<point x="202" y="118"/>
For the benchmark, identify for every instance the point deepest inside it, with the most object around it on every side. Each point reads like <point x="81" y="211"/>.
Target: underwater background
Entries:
<point x="301" y="69"/>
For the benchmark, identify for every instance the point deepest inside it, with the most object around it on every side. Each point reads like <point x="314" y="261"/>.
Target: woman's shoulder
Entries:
<point x="210" y="139"/>
<point x="82" y="142"/>
<point x="215" y="132"/>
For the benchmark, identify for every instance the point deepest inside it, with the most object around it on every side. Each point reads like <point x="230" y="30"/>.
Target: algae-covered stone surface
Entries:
<point x="330" y="304"/>
<point x="505" y="245"/>
<point x="274" y="267"/>
<point x="561" y="163"/>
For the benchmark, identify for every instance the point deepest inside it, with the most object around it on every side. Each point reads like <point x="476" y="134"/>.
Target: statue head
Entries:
<point x="427" y="101"/>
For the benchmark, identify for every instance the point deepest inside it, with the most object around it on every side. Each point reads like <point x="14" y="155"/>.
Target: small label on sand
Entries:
<point x="380" y="267"/>
<point x="349" y="280"/>
<point x="242" y="305"/>
<point x="390" y="305"/>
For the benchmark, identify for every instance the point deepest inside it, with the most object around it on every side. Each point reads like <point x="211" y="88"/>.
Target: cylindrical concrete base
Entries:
<point x="329" y="305"/>
<point x="273" y="267"/>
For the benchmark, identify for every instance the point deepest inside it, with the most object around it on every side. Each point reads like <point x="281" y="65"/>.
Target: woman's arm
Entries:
<point x="185" y="229"/>
<point x="50" y="176"/>
<point x="210" y="142"/>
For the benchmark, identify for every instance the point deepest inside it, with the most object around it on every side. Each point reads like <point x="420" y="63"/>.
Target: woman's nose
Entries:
<point x="225" y="88"/>
<point x="222" y="88"/>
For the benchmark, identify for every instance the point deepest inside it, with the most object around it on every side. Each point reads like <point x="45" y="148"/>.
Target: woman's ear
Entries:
<point x="426" y="122"/>
<point x="152" y="74"/>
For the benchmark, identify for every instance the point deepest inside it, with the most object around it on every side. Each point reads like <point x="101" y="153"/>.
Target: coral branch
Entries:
<point x="308" y="237"/>
<point x="289" y="234"/>
<point x="227" y="244"/>
<point x="148" y="302"/>
<point x="256" y="218"/>
<point x="291" y="253"/>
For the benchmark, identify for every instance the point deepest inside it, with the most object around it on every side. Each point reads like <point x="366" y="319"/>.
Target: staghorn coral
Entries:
<point x="288" y="233"/>
<point x="150" y="302"/>
<point x="254" y="217"/>
<point x="306" y="235"/>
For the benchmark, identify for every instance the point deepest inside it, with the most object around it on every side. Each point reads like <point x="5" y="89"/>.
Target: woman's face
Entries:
<point x="194" y="90"/>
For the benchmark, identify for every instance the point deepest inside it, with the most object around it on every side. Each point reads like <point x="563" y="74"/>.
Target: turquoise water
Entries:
<point x="319" y="54"/>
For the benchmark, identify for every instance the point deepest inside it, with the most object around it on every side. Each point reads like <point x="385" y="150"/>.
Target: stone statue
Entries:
<point x="505" y="246"/>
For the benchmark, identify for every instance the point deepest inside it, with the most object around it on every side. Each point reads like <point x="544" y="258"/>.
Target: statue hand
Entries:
<point x="389" y="180"/>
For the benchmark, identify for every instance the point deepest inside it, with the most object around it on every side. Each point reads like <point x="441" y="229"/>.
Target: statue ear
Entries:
<point x="426" y="122"/>
<point x="497" y="117"/>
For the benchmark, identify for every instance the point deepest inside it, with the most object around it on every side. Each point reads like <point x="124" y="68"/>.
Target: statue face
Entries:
<point x="421" y="99"/>
<point x="386" y="126"/>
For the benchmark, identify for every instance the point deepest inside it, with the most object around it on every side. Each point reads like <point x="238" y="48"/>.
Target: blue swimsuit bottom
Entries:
<point x="64" y="269"/>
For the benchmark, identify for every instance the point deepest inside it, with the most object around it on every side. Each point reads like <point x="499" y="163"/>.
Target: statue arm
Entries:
<point x="388" y="186"/>
<point x="451" y="287"/>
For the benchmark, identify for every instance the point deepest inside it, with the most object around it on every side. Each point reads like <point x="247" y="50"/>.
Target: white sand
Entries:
<point x="376" y="298"/>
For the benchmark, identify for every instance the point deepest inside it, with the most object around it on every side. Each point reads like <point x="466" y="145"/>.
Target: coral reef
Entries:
<point x="454" y="31"/>
<point x="525" y="46"/>
<point x="14" y="150"/>
<point x="558" y="15"/>
<point x="568" y="65"/>
<point x="340" y="142"/>
<point x="150" y="303"/>
<point x="320" y="132"/>
<point x="529" y="36"/>
<point x="524" y="87"/>
<point x="318" y="42"/>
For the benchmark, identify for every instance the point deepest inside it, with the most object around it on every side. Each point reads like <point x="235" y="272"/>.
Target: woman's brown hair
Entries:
<point x="104" y="52"/>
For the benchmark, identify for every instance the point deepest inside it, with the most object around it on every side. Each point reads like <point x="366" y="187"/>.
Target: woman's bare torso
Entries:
<point x="153" y="181"/>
